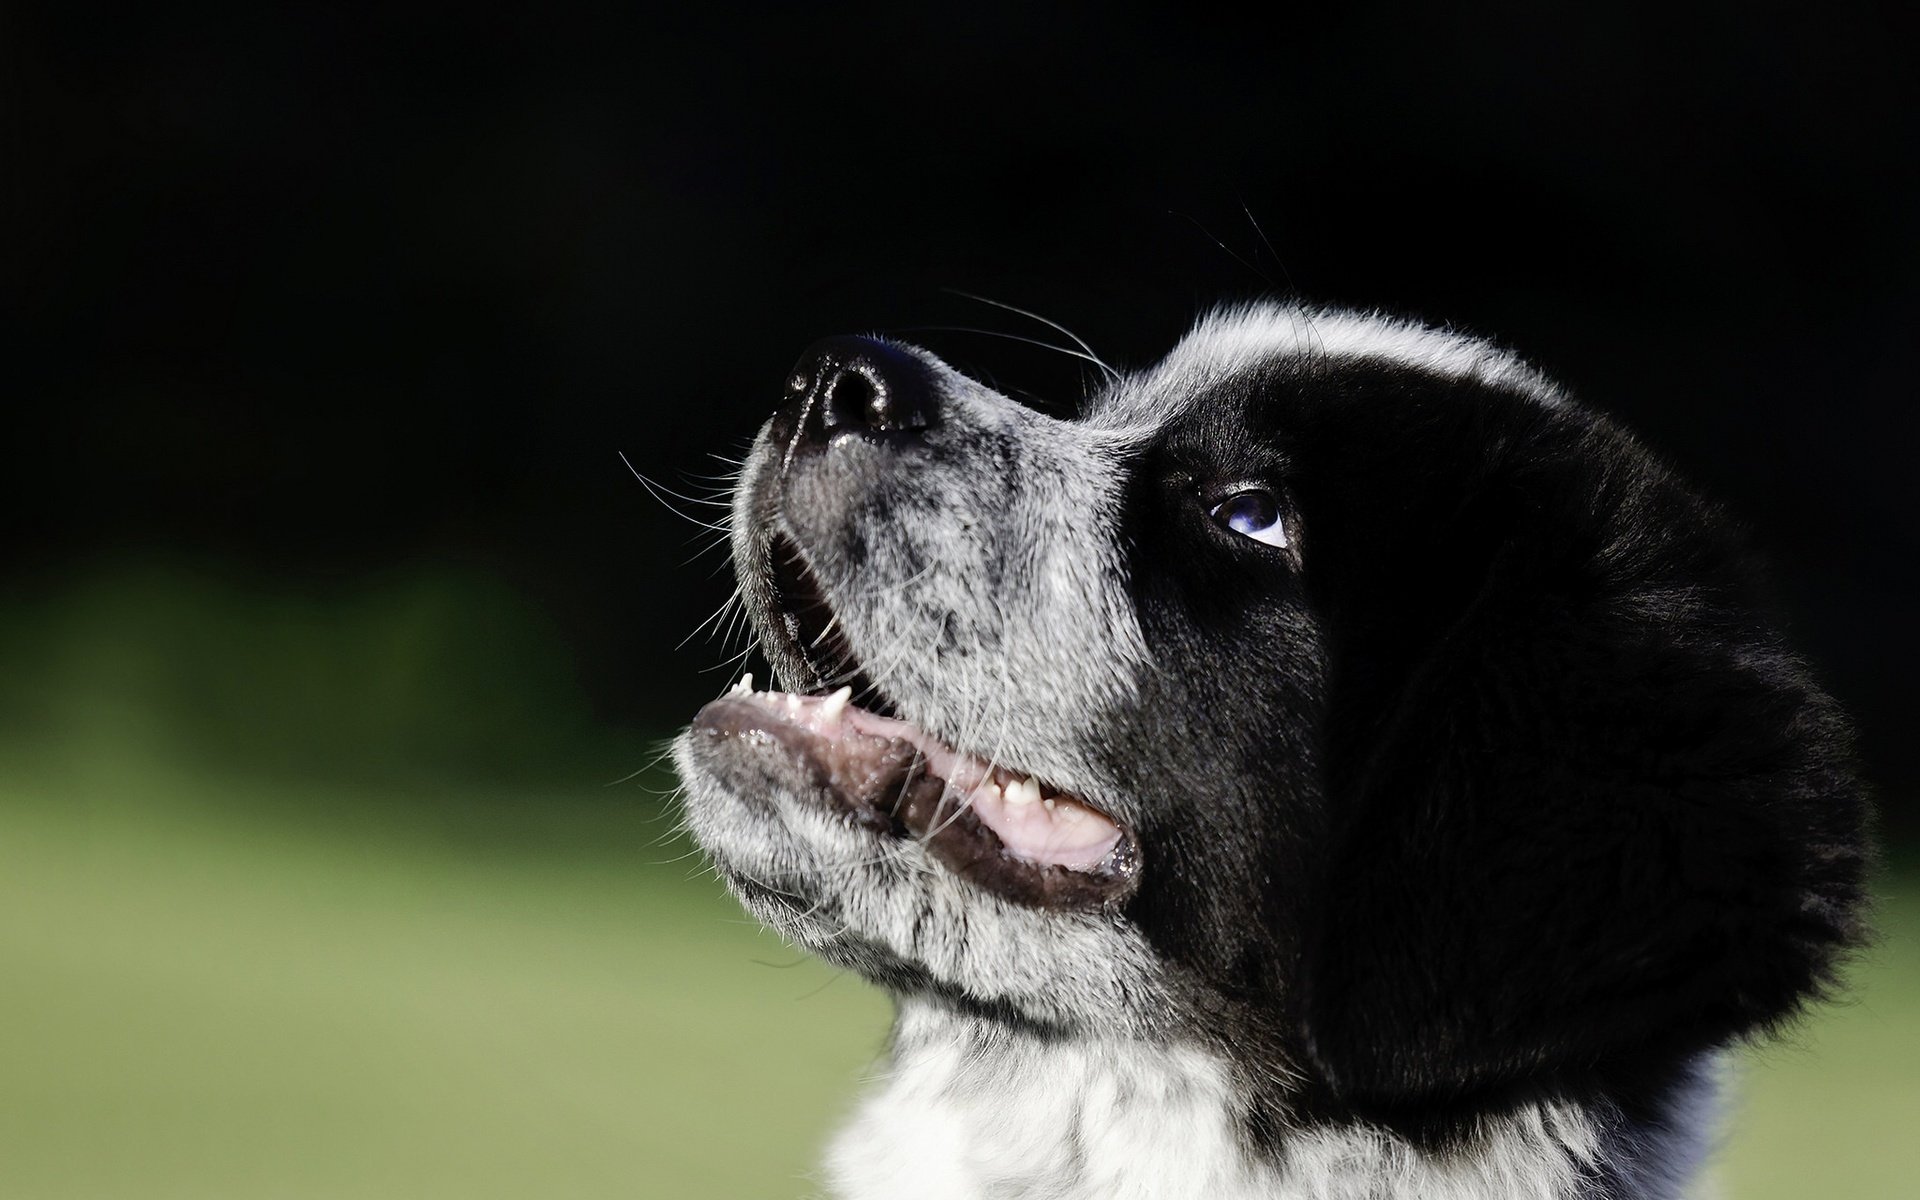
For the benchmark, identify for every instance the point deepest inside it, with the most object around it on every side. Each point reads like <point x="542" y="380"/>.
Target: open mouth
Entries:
<point x="1008" y="834"/>
<point x="1002" y="830"/>
<point x="815" y="642"/>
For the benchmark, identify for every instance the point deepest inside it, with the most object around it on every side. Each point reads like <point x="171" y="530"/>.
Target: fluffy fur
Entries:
<point x="1473" y="821"/>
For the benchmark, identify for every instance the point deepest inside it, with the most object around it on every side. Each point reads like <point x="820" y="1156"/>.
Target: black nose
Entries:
<point x="855" y="385"/>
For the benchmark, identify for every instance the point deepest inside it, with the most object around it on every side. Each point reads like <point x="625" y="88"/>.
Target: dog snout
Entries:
<point x="855" y="386"/>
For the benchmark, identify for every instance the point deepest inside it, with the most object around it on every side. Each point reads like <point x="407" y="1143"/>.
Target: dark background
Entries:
<point x="302" y="296"/>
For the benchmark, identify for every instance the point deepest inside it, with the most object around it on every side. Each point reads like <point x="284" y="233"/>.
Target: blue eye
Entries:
<point x="1253" y="514"/>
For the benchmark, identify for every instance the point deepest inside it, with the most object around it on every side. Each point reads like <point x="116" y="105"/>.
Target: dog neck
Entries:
<point x="971" y="1109"/>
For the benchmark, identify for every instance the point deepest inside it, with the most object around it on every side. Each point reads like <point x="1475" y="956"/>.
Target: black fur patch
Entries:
<point x="1506" y="784"/>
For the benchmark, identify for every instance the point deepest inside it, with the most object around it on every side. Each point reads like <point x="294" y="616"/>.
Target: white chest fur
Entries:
<point x="970" y="1111"/>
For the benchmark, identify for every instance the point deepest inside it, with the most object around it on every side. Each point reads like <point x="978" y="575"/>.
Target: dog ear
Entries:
<point x="1589" y="806"/>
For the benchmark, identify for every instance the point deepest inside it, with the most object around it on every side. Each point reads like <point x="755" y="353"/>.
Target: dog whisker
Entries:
<point x="1015" y="337"/>
<point x="1071" y="336"/>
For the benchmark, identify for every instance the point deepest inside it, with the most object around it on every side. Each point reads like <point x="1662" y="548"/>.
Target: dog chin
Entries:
<point x="834" y="829"/>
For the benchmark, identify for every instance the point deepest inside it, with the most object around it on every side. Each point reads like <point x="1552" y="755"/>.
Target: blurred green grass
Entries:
<point x="199" y="1007"/>
<point x="287" y="911"/>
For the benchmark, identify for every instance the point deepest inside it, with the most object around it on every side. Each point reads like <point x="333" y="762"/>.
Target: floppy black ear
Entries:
<point x="1591" y="808"/>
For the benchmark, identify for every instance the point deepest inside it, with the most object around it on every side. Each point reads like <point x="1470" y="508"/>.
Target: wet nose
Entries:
<point x="855" y="385"/>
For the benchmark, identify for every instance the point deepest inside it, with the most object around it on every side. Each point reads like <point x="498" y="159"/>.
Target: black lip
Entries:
<point x="885" y="787"/>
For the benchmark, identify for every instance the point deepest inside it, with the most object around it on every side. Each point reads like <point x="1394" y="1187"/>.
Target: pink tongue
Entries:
<point x="1067" y="833"/>
<point x="1053" y="831"/>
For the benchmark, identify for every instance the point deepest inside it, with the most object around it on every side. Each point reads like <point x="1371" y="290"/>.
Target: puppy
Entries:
<point x="1334" y="765"/>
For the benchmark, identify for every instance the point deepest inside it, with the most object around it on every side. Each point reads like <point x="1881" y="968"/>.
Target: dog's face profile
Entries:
<point x="1336" y="697"/>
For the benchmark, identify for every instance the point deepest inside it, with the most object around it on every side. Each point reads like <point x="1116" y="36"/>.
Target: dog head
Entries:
<point x="1336" y="693"/>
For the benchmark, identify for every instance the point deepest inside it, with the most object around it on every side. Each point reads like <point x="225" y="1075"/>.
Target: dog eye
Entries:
<point x="1253" y="514"/>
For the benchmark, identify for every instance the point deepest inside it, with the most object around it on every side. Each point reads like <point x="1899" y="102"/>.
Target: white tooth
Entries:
<point x="1049" y="801"/>
<point x="1022" y="791"/>
<point x="793" y="702"/>
<point x="836" y="704"/>
<point x="745" y="686"/>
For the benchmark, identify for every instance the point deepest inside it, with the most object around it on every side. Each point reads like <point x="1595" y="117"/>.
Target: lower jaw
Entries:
<point x="888" y="787"/>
